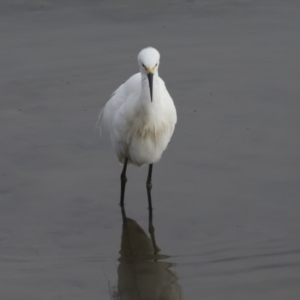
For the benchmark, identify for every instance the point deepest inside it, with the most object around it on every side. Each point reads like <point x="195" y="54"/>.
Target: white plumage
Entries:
<point x="140" y="116"/>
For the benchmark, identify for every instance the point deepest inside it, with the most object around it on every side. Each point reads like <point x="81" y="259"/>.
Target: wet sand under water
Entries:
<point x="226" y="192"/>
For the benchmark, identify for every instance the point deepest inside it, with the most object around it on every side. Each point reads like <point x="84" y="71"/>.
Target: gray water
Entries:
<point x="226" y="192"/>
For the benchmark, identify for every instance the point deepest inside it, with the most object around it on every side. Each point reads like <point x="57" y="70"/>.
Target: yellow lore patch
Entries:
<point x="150" y="70"/>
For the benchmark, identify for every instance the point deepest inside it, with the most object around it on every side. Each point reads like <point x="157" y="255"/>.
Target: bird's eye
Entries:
<point x="143" y="65"/>
<point x="156" y="65"/>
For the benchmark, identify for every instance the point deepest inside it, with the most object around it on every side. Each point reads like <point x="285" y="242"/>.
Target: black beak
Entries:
<point x="150" y="78"/>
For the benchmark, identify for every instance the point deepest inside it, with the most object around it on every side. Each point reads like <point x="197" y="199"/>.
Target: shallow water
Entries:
<point x="225" y="194"/>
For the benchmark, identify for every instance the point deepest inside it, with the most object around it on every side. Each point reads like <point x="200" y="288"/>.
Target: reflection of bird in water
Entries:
<point x="140" y="117"/>
<point x="142" y="275"/>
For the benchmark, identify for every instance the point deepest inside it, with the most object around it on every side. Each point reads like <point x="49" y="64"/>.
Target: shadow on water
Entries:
<point x="142" y="273"/>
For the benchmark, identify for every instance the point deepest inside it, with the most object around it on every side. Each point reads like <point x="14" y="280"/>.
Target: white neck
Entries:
<point x="145" y="90"/>
<point x="150" y="109"/>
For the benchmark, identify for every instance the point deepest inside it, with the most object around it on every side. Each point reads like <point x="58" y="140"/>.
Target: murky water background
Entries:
<point x="225" y="194"/>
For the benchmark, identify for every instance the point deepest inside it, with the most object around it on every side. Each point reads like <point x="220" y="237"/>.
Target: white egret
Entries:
<point x="140" y="117"/>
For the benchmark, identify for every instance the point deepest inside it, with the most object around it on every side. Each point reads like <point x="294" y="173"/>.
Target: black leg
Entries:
<point x="151" y="231"/>
<point x="151" y="227"/>
<point x="149" y="187"/>
<point x="124" y="218"/>
<point x="123" y="182"/>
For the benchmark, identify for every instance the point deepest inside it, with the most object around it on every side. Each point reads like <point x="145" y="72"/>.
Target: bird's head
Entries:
<point x="148" y="60"/>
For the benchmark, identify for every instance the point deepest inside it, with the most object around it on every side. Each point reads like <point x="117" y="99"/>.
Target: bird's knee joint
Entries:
<point x="149" y="185"/>
<point x="123" y="178"/>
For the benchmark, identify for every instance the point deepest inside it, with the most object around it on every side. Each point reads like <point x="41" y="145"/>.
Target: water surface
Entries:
<point x="225" y="194"/>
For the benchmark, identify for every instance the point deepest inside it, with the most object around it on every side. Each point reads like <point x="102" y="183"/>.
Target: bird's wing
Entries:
<point x="118" y="98"/>
<point x="168" y="107"/>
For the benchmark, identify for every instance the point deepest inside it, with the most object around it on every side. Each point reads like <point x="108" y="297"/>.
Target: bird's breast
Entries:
<point x="150" y="130"/>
